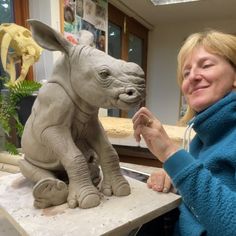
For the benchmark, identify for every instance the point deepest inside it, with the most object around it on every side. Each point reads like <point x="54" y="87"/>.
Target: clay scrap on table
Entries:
<point x="63" y="140"/>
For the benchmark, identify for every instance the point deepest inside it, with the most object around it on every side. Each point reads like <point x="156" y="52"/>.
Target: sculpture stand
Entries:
<point x="114" y="216"/>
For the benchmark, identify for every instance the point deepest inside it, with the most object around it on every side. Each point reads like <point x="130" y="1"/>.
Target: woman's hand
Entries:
<point x="159" y="181"/>
<point x="145" y="124"/>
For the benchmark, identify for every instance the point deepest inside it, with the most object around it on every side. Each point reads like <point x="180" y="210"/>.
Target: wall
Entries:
<point x="164" y="43"/>
<point x="47" y="11"/>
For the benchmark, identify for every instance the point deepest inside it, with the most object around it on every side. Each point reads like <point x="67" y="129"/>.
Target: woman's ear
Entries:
<point x="234" y="83"/>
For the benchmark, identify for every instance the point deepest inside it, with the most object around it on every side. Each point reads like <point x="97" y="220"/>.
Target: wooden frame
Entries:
<point x="21" y="14"/>
<point x="62" y="16"/>
<point x="129" y="26"/>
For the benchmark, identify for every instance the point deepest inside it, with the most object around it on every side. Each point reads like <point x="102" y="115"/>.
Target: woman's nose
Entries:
<point x="194" y="75"/>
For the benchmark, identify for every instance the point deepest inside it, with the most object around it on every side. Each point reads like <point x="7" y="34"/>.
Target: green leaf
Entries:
<point x="19" y="126"/>
<point x="11" y="148"/>
<point x="9" y="103"/>
<point x="23" y="89"/>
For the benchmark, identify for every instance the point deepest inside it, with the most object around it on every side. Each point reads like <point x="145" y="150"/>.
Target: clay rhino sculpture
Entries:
<point x="63" y="140"/>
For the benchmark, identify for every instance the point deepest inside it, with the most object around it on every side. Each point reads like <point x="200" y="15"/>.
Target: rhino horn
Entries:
<point x="49" y="38"/>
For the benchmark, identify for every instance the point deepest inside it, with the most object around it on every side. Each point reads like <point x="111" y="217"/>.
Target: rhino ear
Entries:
<point x="48" y="38"/>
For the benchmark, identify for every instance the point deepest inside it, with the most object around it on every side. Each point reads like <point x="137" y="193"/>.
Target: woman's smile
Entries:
<point x="198" y="89"/>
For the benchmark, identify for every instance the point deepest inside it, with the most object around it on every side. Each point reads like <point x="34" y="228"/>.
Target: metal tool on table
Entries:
<point x="138" y="175"/>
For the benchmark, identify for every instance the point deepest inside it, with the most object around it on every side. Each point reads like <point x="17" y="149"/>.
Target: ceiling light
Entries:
<point x="165" y="2"/>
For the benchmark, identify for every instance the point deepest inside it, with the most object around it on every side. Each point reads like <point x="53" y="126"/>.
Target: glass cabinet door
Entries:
<point x="114" y="40"/>
<point x="114" y="50"/>
<point x="135" y="49"/>
<point x="6" y="11"/>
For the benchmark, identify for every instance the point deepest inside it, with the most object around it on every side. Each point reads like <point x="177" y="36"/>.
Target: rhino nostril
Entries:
<point x="130" y="93"/>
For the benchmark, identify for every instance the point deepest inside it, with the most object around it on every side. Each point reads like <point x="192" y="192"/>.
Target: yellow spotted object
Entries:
<point x="23" y="46"/>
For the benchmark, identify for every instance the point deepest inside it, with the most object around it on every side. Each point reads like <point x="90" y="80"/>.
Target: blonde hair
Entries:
<point x="212" y="41"/>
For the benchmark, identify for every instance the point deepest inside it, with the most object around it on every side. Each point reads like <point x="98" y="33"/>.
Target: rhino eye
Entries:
<point x="104" y="74"/>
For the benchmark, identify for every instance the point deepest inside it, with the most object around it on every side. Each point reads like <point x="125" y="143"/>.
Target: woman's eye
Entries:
<point x="206" y="66"/>
<point x="185" y="74"/>
<point x="104" y="74"/>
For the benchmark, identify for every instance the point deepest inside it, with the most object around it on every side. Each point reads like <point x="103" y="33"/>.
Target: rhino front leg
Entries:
<point x="92" y="160"/>
<point x="113" y="181"/>
<point x="82" y="192"/>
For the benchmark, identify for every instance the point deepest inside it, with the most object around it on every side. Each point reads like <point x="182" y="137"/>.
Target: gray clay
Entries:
<point x="63" y="139"/>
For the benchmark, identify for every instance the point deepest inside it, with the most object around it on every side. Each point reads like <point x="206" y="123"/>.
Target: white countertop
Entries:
<point x="114" y="216"/>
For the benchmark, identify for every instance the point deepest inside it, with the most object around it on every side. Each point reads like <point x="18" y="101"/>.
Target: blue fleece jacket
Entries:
<point x="206" y="176"/>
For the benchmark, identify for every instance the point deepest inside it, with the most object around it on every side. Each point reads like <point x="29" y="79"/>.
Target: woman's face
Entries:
<point x="207" y="79"/>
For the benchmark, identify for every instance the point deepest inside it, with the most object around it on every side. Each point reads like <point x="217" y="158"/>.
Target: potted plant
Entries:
<point x="19" y="51"/>
<point x="10" y="100"/>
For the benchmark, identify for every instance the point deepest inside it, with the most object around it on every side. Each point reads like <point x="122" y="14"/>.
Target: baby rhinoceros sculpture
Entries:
<point x="63" y="137"/>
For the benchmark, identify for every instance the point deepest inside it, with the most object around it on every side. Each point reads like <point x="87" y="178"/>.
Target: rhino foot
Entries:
<point x="87" y="197"/>
<point x="49" y="192"/>
<point x="118" y="186"/>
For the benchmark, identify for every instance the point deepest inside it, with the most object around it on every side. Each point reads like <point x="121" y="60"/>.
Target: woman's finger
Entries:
<point x="167" y="184"/>
<point x="142" y="119"/>
<point x="156" y="181"/>
<point x="159" y="181"/>
<point x="137" y="134"/>
<point x="142" y="111"/>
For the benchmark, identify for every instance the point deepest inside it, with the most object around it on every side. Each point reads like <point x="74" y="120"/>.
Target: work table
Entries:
<point x="114" y="216"/>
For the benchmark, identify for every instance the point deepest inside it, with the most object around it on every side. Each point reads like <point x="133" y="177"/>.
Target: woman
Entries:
<point x="205" y="176"/>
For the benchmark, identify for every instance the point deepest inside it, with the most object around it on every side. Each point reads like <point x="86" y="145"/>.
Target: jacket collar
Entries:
<point x="214" y="122"/>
